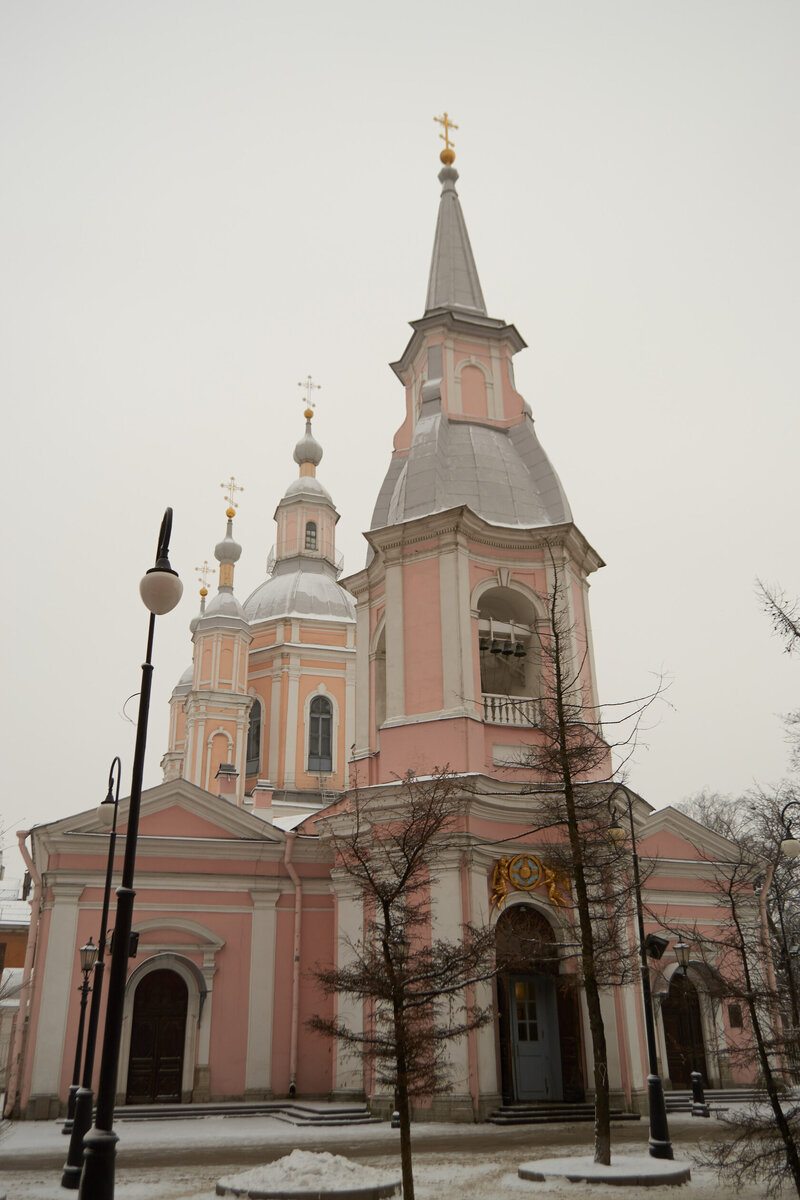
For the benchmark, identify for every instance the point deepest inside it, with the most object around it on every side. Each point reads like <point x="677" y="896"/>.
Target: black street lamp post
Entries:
<point x="160" y="590"/>
<point x="88" y="953"/>
<point x="84" y="1099"/>
<point x="699" y="1106"/>
<point x="659" y="1144"/>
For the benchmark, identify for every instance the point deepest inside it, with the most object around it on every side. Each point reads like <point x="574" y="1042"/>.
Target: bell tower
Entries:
<point x="469" y="531"/>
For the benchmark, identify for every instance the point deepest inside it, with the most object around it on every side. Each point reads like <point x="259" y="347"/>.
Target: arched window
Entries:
<point x="320" y="735"/>
<point x="311" y="535"/>
<point x="254" y="740"/>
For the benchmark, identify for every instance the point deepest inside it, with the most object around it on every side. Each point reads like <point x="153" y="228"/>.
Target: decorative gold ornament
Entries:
<point x="499" y="882"/>
<point x="525" y="873"/>
<point x="552" y="881"/>
<point x="202" y="576"/>
<point x="448" y="155"/>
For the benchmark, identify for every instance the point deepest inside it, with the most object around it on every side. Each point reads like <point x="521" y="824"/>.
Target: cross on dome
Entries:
<point x="233" y="487"/>
<point x="309" y="386"/>
<point x="203" y="574"/>
<point x="448" y="155"/>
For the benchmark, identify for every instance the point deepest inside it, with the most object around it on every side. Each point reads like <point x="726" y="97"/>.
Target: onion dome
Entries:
<point x="224" y="604"/>
<point x="308" y="449"/>
<point x="228" y="551"/>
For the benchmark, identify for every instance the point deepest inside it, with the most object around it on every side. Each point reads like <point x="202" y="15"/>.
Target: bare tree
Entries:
<point x="572" y="755"/>
<point x="764" y="1145"/>
<point x="784" y="614"/>
<point x="388" y="843"/>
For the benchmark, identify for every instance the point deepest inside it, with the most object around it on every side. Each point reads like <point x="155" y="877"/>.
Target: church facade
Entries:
<point x="432" y="655"/>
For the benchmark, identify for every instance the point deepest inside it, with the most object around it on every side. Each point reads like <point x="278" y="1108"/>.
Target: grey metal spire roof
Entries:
<point x="453" y="282"/>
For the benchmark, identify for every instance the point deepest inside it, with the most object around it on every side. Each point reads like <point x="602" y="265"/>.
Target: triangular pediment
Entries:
<point x="176" y="809"/>
<point x="671" y="834"/>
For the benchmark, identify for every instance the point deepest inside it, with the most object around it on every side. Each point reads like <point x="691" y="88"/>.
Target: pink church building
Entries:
<point x="430" y="655"/>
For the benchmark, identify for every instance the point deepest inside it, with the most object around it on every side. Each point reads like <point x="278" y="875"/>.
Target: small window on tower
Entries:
<point x="311" y="535"/>
<point x="320" y="735"/>
<point x="735" y="1016"/>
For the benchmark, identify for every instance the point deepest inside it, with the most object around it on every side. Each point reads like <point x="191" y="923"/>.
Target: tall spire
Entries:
<point x="453" y="282"/>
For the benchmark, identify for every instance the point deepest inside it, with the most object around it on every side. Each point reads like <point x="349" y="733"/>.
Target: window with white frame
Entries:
<point x="320" y="735"/>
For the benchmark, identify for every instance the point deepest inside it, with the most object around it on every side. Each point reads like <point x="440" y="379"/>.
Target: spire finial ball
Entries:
<point x="230" y="513"/>
<point x="448" y="156"/>
<point x="308" y="414"/>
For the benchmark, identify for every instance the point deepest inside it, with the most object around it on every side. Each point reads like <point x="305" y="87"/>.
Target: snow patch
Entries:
<point x="304" y="1172"/>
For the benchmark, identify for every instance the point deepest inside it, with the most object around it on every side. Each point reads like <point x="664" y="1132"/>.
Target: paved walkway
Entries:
<point x="249" y="1141"/>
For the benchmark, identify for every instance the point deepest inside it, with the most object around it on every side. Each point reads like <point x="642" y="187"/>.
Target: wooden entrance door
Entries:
<point x="683" y="1031"/>
<point x="534" y="1032"/>
<point x="155" y="1067"/>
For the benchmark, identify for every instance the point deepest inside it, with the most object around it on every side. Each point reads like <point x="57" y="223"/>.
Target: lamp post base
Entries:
<point x="99" y="1154"/>
<point x="66" y="1128"/>
<point x="81" y="1124"/>
<point x="659" y="1145"/>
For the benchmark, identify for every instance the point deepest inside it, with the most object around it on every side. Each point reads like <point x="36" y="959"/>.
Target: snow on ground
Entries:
<point x="436" y="1178"/>
<point x="308" y="1171"/>
<point x="455" y="1169"/>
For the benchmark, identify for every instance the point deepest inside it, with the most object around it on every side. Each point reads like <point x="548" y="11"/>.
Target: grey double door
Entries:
<point x="535" y="1047"/>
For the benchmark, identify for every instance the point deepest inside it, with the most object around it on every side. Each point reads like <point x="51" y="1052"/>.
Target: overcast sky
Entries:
<point x="203" y="202"/>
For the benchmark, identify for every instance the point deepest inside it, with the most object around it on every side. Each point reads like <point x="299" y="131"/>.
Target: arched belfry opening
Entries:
<point x="510" y="657"/>
<point x="541" y="1056"/>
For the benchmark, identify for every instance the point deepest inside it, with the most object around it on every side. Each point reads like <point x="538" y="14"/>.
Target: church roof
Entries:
<point x="306" y="588"/>
<point x="453" y="281"/>
<point x="497" y="469"/>
<point x="503" y="475"/>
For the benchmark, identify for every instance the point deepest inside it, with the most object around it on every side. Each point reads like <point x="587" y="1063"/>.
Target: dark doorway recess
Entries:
<point x="536" y="1004"/>
<point x="157" y="1039"/>
<point x="683" y="1031"/>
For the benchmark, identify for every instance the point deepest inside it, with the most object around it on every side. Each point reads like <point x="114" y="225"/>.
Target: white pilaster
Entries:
<point x="59" y="957"/>
<point x="348" y="1067"/>
<point x="395" y="638"/>
<point x="258" y="1067"/>
<point x="292" y="720"/>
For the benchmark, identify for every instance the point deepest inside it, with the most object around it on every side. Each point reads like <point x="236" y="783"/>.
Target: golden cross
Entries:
<point x="309" y="387"/>
<point x="203" y="573"/>
<point x="233" y="487"/>
<point x="448" y="125"/>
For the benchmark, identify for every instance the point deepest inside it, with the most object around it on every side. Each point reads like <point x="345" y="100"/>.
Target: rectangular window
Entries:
<point x="735" y="1016"/>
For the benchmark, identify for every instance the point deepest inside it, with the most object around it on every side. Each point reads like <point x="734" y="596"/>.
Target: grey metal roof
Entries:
<point x="453" y="280"/>
<point x="307" y="486"/>
<point x="301" y="587"/>
<point x="224" y="604"/>
<point x="503" y="475"/>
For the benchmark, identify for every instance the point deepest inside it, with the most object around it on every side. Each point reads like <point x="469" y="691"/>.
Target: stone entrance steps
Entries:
<point x="319" y="1113"/>
<point x="543" y="1113"/>
<point x="681" y="1101"/>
